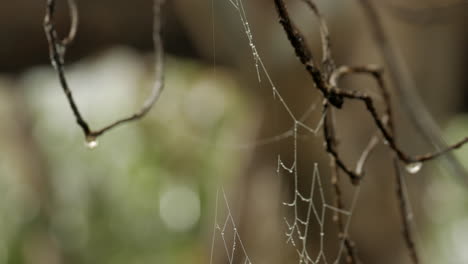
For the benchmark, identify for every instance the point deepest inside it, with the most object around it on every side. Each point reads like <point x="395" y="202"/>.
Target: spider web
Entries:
<point x="298" y="230"/>
<point x="227" y="228"/>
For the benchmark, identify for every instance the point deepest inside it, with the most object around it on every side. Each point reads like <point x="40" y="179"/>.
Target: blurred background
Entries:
<point x="201" y="167"/>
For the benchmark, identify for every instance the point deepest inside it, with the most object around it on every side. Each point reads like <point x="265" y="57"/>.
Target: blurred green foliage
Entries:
<point x="446" y="203"/>
<point x="104" y="205"/>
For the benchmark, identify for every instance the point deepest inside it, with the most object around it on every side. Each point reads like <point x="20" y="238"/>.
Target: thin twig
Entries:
<point x="330" y="147"/>
<point x="327" y="60"/>
<point x="410" y="245"/>
<point x="328" y="66"/>
<point x="387" y="135"/>
<point x="336" y="96"/>
<point x="366" y="154"/>
<point x="404" y="86"/>
<point x="74" y="17"/>
<point x="302" y="50"/>
<point x="375" y="72"/>
<point x="57" y="49"/>
<point x="352" y="257"/>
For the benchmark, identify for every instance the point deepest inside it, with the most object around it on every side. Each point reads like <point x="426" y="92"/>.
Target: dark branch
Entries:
<point x="404" y="86"/>
<point x="57" y="49"/>
<point x="330" y="147"/>
<point x="352" y="257"/>
<point x="303" y="52"/>
<point x="404" y="214"/>
<point x="336" y="97"/>
<point x="326" y="80"/>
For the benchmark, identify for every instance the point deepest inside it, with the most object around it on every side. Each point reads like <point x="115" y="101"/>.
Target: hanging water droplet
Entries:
<point x="91" y="142"/>
<point x="414" y="167"/>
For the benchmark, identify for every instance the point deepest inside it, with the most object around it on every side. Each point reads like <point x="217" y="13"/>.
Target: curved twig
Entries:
<point x="327" y="59"/>
<point x="57" y="49"/>
<point x="404" y="86"/>
<point x="74" y="20"/>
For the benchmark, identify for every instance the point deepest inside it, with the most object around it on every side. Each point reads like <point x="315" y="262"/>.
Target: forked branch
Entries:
<point x="404" y="86"/>
<point x="57" y="50"/>
<point x="326" y="81"/>
<point x="333" y="95"/>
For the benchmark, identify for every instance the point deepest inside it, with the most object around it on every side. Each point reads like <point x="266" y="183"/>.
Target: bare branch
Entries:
<point x="327" y="59"/>
<point x="352" y="257"/>
<point x="330" y="147"/>
<point x="375" y="72"/>
<point x="57" y="49"/>
<point x="326" y="81"/>
<point x="297" y="40"/>
<point x="387" y="134"/>
<point x="74" y="17"/>
<point x="366" y="153"/>
<point x="404" y="86"/>
<point x="404" y="214"/>
<point x="158" y="84"/>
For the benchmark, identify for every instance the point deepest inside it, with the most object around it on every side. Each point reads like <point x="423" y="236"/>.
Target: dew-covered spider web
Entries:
<point x="227" y="238"/>
<point x="298" y="228"/>
<point x="226" y="228"/>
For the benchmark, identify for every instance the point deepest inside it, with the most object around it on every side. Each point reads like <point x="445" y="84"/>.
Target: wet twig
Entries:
<point x="405" y="88"/>
<point x="326" y="80"/>
<point x="336" y="97"/>
<point x="57" y="50"/>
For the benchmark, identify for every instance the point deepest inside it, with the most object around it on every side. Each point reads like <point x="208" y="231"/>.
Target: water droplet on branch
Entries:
<point x="91" y="142"/>
<point x="414" y="167"/>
